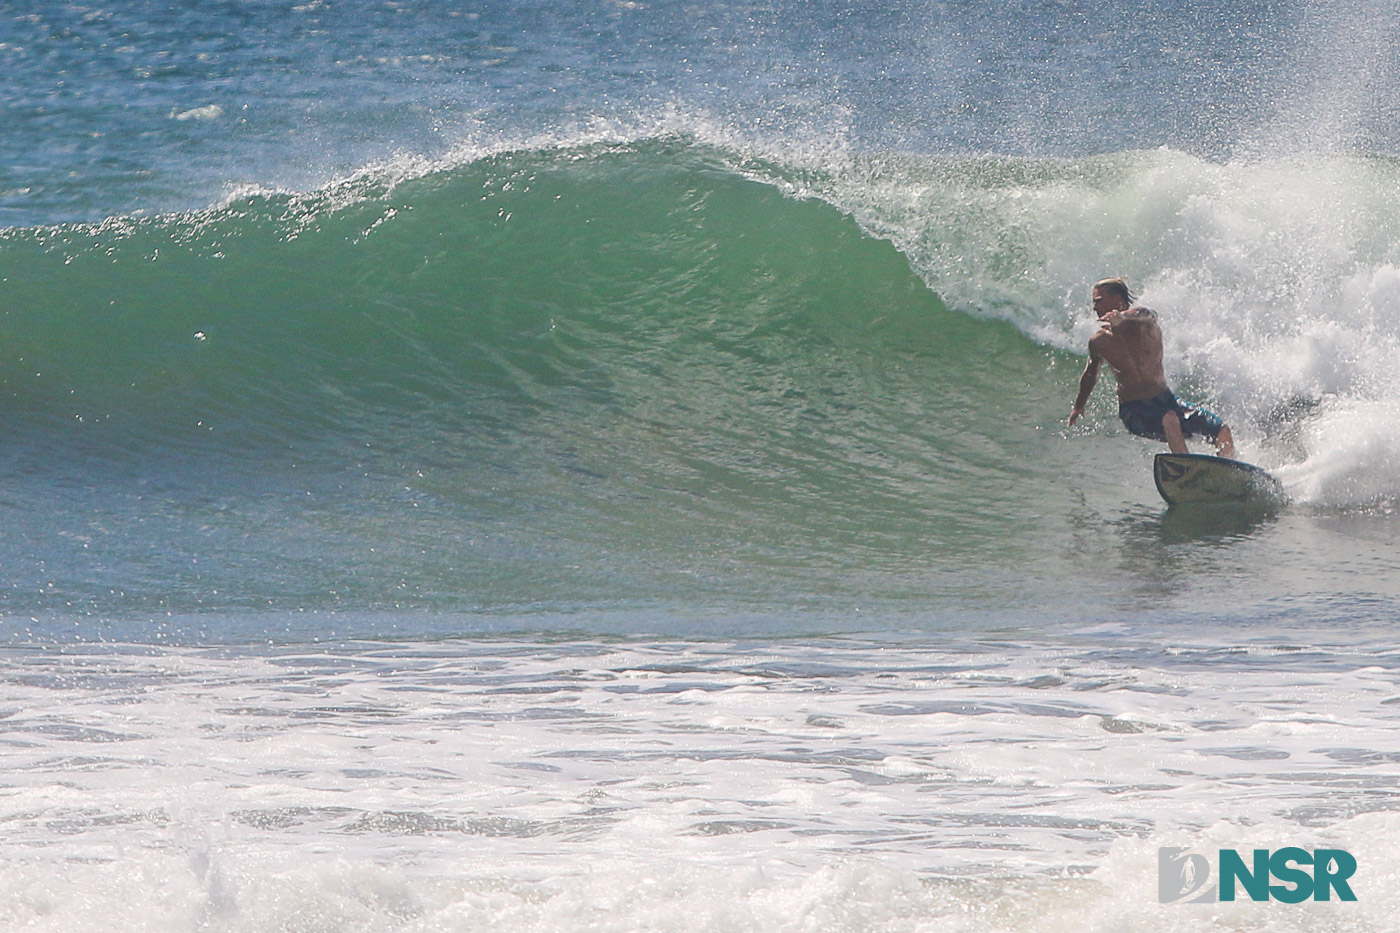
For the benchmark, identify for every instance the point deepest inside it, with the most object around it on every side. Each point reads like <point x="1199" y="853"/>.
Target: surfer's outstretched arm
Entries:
<point x="1087" y="381"/>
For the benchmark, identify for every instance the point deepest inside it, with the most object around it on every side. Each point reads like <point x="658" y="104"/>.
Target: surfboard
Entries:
<point x="1183" y="478"/>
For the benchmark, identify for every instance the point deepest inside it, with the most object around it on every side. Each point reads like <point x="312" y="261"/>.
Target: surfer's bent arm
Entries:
<point x="1133" y="317"/>
<point x="1087" y="381"/>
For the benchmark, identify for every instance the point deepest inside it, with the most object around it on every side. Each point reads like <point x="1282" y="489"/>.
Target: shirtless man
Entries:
<point x="1131" y="342"/>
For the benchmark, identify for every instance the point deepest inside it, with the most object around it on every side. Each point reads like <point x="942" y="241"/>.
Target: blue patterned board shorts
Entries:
<point x="1143" y="417"/>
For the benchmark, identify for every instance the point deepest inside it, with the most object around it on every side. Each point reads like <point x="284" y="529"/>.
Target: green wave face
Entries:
<point x="559" y="376"/>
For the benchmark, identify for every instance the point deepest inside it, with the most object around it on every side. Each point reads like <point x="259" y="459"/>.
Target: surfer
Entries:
<point x="1130" y="340"/>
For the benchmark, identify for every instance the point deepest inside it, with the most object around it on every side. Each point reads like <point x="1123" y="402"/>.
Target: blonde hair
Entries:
<point x="1118" y="286"/>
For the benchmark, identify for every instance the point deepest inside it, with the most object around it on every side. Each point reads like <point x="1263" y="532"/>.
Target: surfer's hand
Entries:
<point x="1074" y="415"/>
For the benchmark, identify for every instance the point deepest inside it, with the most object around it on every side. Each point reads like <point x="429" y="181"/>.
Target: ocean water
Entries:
<point x="555" y="466"/>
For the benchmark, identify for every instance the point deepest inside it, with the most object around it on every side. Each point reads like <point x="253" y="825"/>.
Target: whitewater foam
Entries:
<point x="840" y="785"/>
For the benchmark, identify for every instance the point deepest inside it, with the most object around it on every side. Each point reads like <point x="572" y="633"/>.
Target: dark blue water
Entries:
<point x="132" y="106"/>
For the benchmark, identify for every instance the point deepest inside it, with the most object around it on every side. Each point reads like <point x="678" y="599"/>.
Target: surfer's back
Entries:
<point x="1131" y="343"/>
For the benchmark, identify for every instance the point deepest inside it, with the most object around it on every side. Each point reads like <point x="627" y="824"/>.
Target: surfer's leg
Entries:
<point x="1171" y="427"/>
<point x="1197" y="420"/>
<point x="1225" y="442"/>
